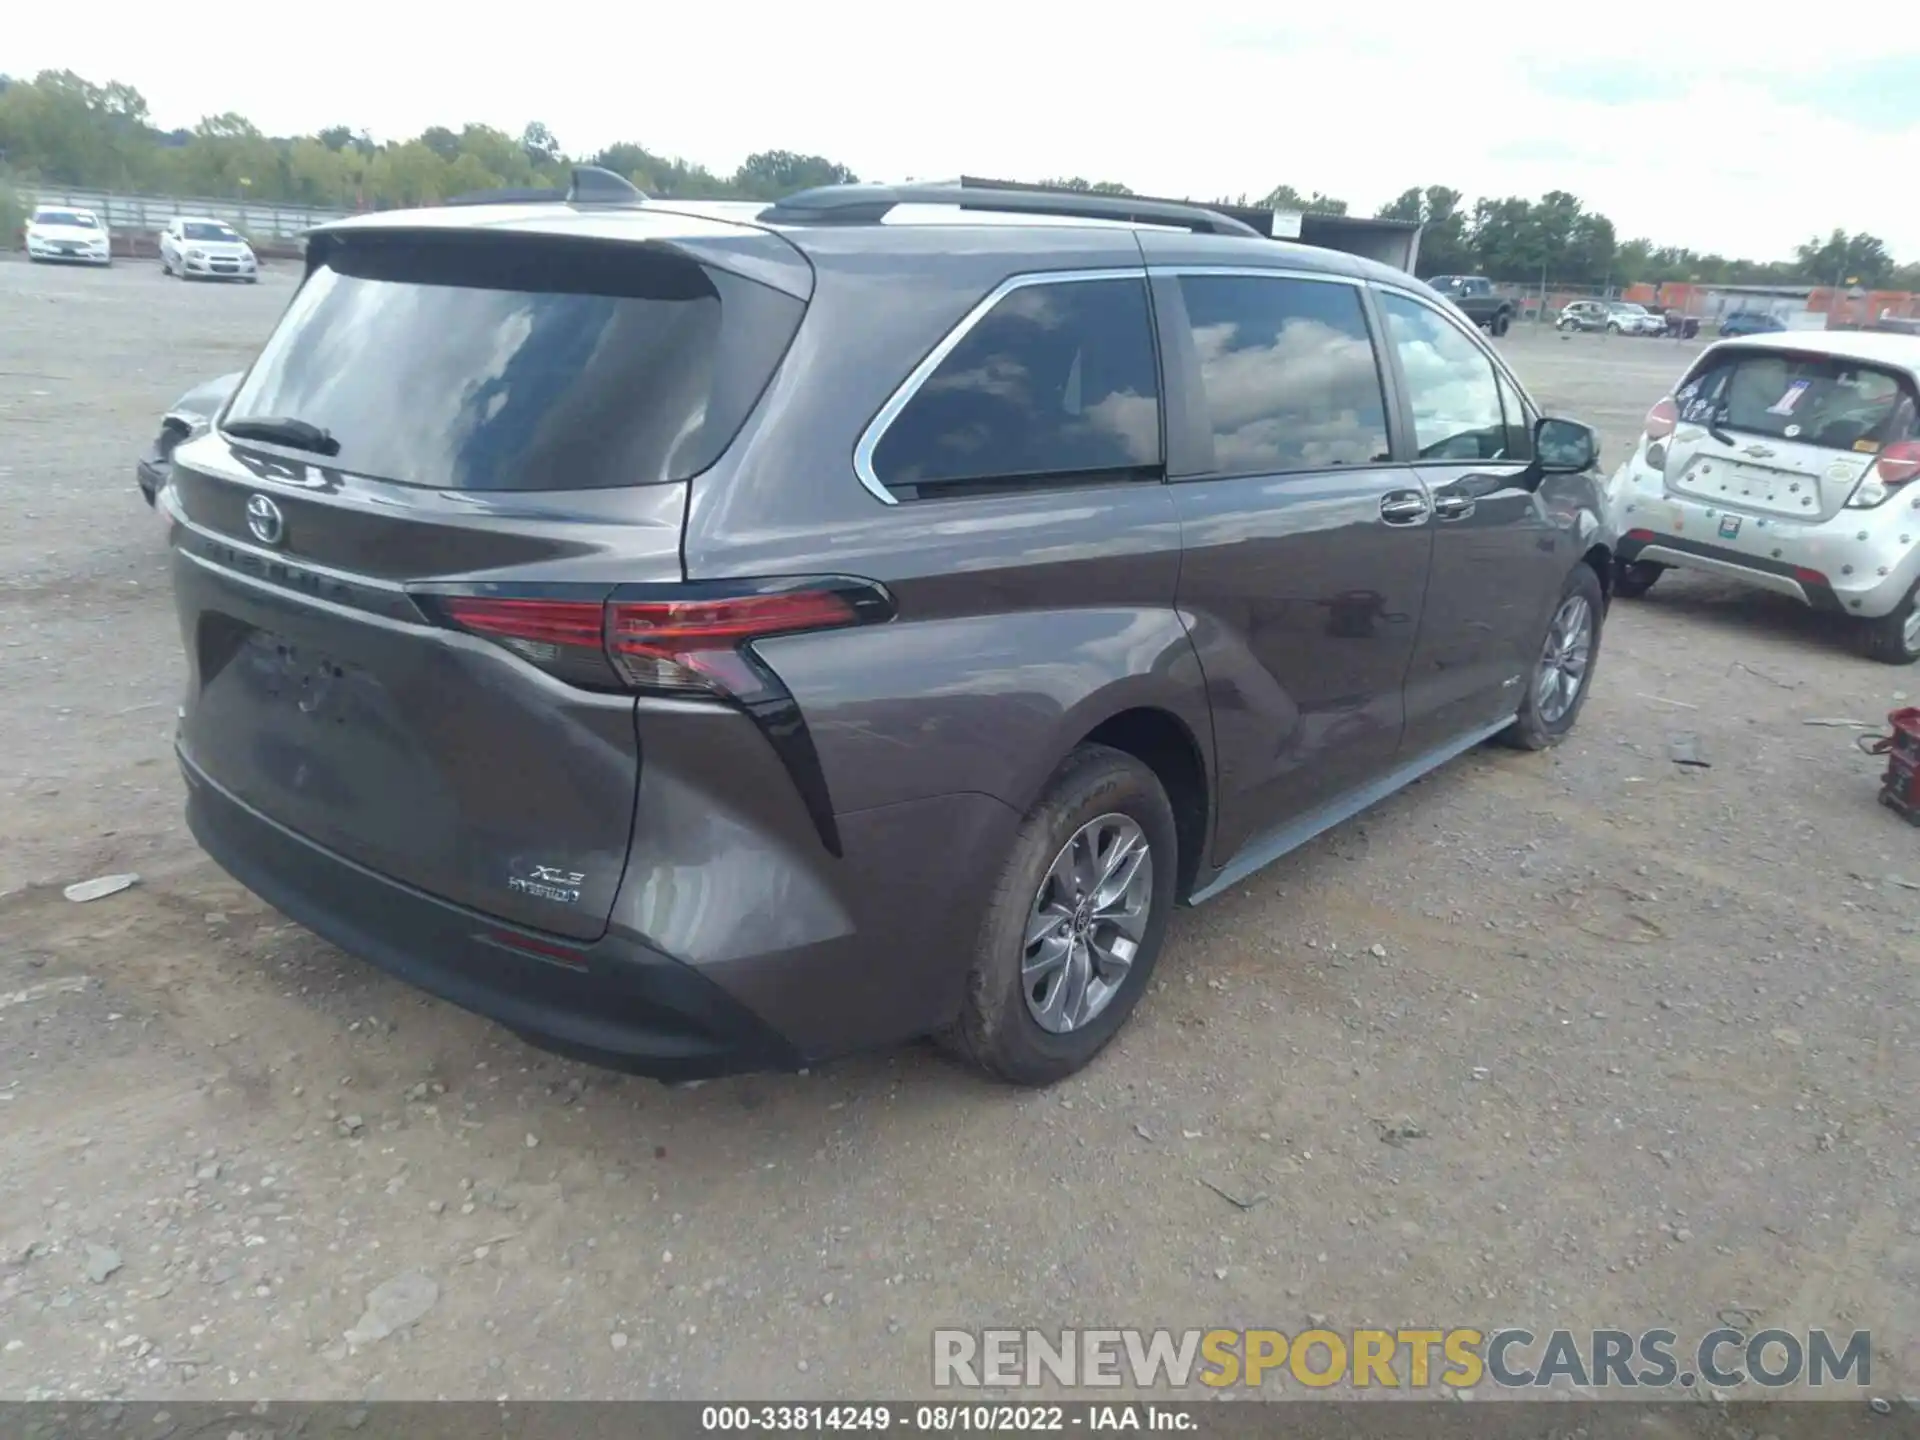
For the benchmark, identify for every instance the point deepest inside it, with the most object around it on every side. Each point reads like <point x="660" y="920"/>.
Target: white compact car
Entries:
<point x="59" y="232"/>
<point x="1787" y="461"/>
<point x="193" y="247"/>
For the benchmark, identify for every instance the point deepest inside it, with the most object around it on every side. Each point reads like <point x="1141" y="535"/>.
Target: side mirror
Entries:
<point x="1564" y="447"/>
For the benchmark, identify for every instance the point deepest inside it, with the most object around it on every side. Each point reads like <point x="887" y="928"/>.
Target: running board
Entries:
<point x="1262" y="852"/>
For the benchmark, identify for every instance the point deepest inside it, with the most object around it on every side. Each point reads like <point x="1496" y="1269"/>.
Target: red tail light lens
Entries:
<point x="1899" y="463"/>
<point x="1662" y="418"/>
<point x="690" y="643"/>
<point x="561" y="637"/>
<point x="695" y="644"/>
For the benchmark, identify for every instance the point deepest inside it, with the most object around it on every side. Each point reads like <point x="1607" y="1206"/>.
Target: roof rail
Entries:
<point x="869" y="205"/>
<point x="595" y="186"/>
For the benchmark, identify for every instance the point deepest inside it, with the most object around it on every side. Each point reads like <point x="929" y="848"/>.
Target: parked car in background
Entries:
<point x="601" y="616"/>
<point x="193" y="247"/>
<point x="1750" y="322"/>
<point x="1582" y="315"/>
<point x="1475" y="297"/>
<point x="187" y="417"/>
<point x="1615" y="317"/>
<point x="62" y="233"/>
<point x="1624" y="317"/>
<point x="1787" y="462"/>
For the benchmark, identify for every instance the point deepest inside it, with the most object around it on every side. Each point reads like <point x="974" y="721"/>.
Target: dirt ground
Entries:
<point x="1639" y="1050"/>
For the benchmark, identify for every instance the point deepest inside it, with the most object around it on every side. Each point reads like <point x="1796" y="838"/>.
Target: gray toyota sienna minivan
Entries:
<point x="704" y="639"/>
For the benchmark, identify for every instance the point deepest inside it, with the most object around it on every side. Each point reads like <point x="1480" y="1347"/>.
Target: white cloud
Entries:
<point x="1216" y="97"/>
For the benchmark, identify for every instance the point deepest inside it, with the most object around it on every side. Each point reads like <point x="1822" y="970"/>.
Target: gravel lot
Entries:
<point x="1638" y="1035"/>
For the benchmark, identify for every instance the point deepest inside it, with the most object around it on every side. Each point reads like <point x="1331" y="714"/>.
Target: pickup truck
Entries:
<point x="1475" y="297"/>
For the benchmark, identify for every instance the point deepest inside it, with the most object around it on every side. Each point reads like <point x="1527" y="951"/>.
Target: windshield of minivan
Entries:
<point x="1823" y="400"/>
<point x="65" y="217"/>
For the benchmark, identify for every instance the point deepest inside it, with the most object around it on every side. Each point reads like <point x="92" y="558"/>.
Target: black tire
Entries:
<point x="994" y="1030"/>
<point x="1884" y="638"/>
<point x="1502" y="323"/>
<point x="1530" y="730"/>
<point x="1612" y="329"/>
<point x="1634" y="579"/>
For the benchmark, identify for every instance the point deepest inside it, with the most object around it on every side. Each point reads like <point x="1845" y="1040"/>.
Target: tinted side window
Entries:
<point x="1289" y="373"/>
<point x="1450" y="383"/>
<point x="1058" y="380"/>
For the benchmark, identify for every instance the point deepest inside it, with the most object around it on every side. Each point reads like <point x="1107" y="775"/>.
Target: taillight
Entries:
<point x="676" y="639"/>
<point x="565" y="638"/>
<point x="1899" y="463"/>
<point x="1894" y="467"/>
<point x="1662" y="418"/>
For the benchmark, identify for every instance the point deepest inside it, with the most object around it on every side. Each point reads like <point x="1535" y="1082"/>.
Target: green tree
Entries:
<point x="1843" y="258"/>
<point x="1285" y="197"/>
<point x="1088" y="187"/>
<point x="770" y="174"/>
<point x="542" y="149"/>
<point x="1444" y="249"/>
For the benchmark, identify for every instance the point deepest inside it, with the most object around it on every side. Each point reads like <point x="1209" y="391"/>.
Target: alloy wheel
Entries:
<point x="1564" y="659"/>
<point x="1086" y="923"/>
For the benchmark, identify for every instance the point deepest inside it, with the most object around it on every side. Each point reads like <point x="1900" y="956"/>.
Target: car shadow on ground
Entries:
<point x="1746" y="613"/>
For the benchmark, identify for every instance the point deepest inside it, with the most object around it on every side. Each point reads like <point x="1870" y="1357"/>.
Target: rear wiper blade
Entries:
<point x="1716" y="420"/>
<point x="284" y="430"/>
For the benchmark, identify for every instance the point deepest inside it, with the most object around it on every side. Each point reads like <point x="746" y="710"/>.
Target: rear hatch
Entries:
<point x="1778" y="433"/>
<point x="393" y="550"/>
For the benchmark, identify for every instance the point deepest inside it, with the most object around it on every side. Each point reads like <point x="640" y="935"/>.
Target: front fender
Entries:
<point x="1579" y="510"/>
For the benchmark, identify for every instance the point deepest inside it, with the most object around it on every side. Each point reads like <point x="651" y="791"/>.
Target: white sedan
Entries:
<point x="57" y="232"/>
<point x="193" y="247"/>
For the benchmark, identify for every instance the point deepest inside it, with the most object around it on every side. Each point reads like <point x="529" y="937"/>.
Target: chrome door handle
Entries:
<point x="1403" y="507"/>
<point x="1453" y="507"/>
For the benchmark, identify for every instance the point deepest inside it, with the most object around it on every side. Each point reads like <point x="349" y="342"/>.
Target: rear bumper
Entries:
<point x="614" y="1002"/>
<point x="1861" y="562"/>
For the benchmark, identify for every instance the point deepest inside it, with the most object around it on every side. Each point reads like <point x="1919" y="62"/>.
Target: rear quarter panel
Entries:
<point x="1024" y="619"/>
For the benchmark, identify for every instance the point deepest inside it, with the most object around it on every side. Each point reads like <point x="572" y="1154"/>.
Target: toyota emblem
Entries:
<point x="266" y="522"/>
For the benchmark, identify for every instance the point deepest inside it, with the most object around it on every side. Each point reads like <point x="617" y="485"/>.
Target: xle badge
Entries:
<point x="549" y="882"/>
<point x="1729" y="526"/>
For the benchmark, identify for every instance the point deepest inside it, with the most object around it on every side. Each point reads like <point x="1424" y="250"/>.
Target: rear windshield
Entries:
<point x="202" y="230"/>
<point x="64" y="217"/>
<point x="1821" y="400"/>
<point x="491" y="363"/>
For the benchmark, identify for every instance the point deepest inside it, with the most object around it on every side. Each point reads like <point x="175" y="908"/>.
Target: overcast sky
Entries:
<point x="1710" y="125"/>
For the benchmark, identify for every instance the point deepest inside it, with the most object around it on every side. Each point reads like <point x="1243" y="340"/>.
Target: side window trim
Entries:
<point x="870" y="438"/>
<point x="1181" y="369"/>
<point x="1403" y="398"/>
